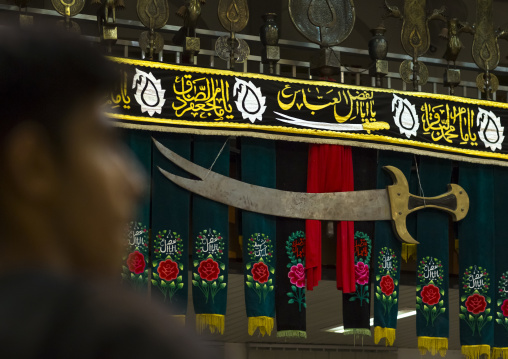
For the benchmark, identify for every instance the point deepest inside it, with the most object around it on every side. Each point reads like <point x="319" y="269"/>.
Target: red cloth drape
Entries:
<point x="330" y="169"/>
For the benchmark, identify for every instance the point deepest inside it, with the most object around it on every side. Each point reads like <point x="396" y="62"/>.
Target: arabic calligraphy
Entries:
<point x="119" y="96"/>
<point x="202" y="97"/>
<point x="449" y="122"/>
<point x="360" y="103"/>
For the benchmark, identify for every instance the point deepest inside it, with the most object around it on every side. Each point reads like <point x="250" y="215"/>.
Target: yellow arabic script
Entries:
<point x="361" y="103"/>
<point x="202" y="97"/>
<point x="443" y="121"/>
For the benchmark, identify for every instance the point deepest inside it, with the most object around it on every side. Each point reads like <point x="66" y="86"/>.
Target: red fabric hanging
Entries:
<point x="330" y="169"/>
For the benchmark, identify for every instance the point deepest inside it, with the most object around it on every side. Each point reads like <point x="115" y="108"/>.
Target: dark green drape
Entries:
<point x="258" y="231"/>
<point x="476" y="266"/>
<point x="290" y="299"/>
<point x="432" y="322"/>
<point x="387" y="249"/>
<point x="356" y="306"/>
<point x="135" y="269"/>
<point x="170" y="226"/>
<point x="210" y="231"/>
<point x="501" y="278"/>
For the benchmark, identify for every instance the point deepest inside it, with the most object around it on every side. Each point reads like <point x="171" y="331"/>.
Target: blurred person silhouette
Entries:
<point x="68" y="187"/>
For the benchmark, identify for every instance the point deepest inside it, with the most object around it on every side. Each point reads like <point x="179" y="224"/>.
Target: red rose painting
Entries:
<point x="136" y="262"/>
<point x="209" y="270"/>
<point x="504" y="307"/>
<point x="430" y="294"/>
<point x="168" y="270"/>
<point x="387" y="285"/>
<point x="476" y="303"/>
<point x="260" y="272"/>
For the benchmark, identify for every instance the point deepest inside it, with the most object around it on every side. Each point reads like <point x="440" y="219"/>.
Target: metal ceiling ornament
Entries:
<point x="154" y="14"/>
<point x="68" y="8"/>
<point x="186" y="36"/>
<point x="394" y="203"/>
<point x="326" y="23"/>
<point x="451" y="32"/>
<point x="485" y="49"/>
<point x="106" y="19"/>
<point x="415" y="37"/>
<point x="233" y="16"/>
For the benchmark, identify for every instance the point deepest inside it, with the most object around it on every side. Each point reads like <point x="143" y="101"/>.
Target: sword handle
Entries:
<point x="455" y="202"/>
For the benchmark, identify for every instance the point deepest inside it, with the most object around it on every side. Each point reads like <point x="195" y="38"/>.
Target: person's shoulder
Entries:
<point x="60" y="317"/>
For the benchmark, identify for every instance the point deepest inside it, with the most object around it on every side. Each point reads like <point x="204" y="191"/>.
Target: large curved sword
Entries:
<point x="393" y="203"/>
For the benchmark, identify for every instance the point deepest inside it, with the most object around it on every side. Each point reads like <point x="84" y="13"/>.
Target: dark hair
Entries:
<point x="43" y="75"/>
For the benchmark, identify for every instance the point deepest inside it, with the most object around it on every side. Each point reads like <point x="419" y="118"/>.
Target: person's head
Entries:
<point x="67" y="186"/>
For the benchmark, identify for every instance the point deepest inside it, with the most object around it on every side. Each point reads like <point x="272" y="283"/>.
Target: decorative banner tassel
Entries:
<point x="265" y="325"/>
<point x="358" y="331"/>
<point x="432" y="307"/>
<point x="136" y="266"/>
<point x="408" y="251"/>
<point x="499" y="353"/>
<point x="259" y="233"/>
<point x="214" y="322"/>
<point x="356" y="305"/>
<point x="477" y="261"/>
<point x="292" y="334"/>
<point x="386" y="261"/>
<point x="290" y="302"/>
<point x="387" y="333"/>
<point x="475" y="351"/>
<point x="433" y="345"/>
<point x="210" y="229"/>
<point x="500" y="346"/>
<point x="170" y="228"/>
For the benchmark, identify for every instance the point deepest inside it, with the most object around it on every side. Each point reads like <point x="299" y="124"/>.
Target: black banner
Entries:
<point x="174" y="98"/>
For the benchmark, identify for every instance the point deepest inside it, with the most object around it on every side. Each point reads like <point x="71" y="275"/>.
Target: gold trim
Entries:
<point x="332" y="134"/>
<point x="210" y="71"/>
<point x="316" y="140"/>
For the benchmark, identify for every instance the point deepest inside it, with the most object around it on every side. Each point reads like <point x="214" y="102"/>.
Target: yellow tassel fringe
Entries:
<point x="265" y="325"/>
<point x="408" y="251"/>
<point x="292" y="334"/>
<point x="475" y="351"/>
<point x="180" y="319"/>
<point x="214" y="322"/>
<point x="388" y="333"/>
<point x="433" y="345"/>
<point x="499" y="353"/>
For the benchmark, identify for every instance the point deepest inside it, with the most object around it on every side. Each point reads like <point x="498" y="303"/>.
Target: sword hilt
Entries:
<point x="402" y="203"/>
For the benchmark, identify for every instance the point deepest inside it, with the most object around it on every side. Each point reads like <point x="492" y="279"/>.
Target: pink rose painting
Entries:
<point x="361" y="273"/>
<point x="296" y="275"/>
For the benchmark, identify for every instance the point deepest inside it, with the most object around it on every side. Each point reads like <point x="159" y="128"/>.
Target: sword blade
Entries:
<point x="372" y="205"/>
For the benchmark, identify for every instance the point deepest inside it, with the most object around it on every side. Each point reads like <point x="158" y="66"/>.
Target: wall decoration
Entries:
<point x="210" y="228"/>
<point x="290" y="264"/>
<point x="209" y="101"/>
<point x="259" y="237"/>
<point x="432" y="316"/>
<point x="500" y="279"/>
<point x="476" y="266"/>
<point x="387" y="259"/>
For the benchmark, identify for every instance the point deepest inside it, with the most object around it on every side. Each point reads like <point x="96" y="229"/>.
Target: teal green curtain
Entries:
<point x="476" y="266"/>
<point x="170" y="226"/>
<point x="432" y="322"/>
<point x="258" y="231"/>
<point x="387" y="250"/>
<point x="500" y="349"/>
<point x="210" y="231"/>
<point x="135" y="269"/>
